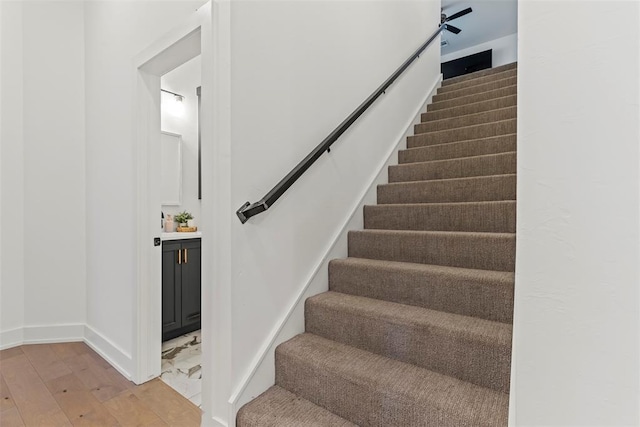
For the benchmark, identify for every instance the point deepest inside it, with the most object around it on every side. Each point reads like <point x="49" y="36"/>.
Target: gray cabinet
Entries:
<point x="181" y="287"/>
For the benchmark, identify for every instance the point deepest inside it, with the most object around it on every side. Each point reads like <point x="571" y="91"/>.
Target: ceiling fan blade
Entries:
<point x="454" y="30"/>
<point x="459" y="14"/>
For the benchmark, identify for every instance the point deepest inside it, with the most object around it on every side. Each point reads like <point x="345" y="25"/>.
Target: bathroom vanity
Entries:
<point x="181" y="283"/>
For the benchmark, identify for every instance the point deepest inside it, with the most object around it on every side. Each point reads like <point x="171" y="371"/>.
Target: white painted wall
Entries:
<point x="576" y="328"/>
<point x="297" y="70"/>
<point x="110" y="157"/>
<point x="184" y="80"/>
<point x="54" y="151"/>
<point x="43" y="275"/>
<point x="504" y="50"/>
<point x="11" y="178"/>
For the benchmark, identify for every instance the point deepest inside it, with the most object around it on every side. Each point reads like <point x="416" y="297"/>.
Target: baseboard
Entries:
<point x="11" y="338"/>
<point x="118" y="358"/>
<point x="379" y="176"/>
<point x="53" y="333"/>
<point x="212" y="421"/>
<point x="75" y="332"/>
<point x="44" y="334"/>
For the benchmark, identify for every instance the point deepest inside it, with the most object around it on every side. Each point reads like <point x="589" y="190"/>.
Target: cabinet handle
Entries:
<point x="179" y="256"/>
<point x="185" y="255"/>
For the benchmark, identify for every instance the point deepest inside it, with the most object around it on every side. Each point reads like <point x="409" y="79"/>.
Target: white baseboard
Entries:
<point x="283" y="331"/>
<point x="41" y="334"/>
<point x="74" y="332"/>
<point x="113" y="354"/>
<point x="11" y="338"/>
<point x="208" y="421"/>
<point x="46" y="334"/>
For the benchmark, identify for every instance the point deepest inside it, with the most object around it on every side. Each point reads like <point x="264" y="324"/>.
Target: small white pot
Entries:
<point x="191" y="223"/>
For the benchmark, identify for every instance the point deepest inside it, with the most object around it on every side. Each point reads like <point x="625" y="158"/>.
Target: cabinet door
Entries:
<point x="171" y="289"/>
<point x="191" y="278"/>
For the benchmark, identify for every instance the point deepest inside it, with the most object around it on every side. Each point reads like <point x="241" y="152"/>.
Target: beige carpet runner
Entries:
<point x="416" y="327"/>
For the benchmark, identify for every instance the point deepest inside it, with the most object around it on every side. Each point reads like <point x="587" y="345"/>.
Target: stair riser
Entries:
<point x="484" y="362"/>
<point x="478" y="74"/>
<point x="473" y="99"/>
<point x="478" y="81"/>
<point x="463" y="134"/>
<point x="464" y="110"/>
<point x="448" y="191"/>
<point x="477" y="147"/>
<point x="497" y="217"/>
<point x="497" y="164"/>
<point x="383" y="403"/>
<point x="498" y="84"/>
<point x="470" y="120"/>
<point x="480" y="251"/>
<point x="486" y="297"/>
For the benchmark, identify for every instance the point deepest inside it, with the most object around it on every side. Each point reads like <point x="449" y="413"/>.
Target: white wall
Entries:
<point x="43" y="275"/>
<point x="297" y="70"/>
<point x="576" y="328"/>
<point x="11" y="178"/>
<point x="184" y="80"/>
<point x="110" y="49"/>
<point x="504" y="50"/>
<point x="54" y="151"/>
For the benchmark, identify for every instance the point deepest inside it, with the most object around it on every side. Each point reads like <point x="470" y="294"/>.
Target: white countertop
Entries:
<point x="180" y="236"/>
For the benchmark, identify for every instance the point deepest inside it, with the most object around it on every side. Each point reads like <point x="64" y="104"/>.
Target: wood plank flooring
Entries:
<point x="69" y="384"/>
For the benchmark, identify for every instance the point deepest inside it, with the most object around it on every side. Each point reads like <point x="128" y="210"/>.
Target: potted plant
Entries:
<point x="183" y="218"/>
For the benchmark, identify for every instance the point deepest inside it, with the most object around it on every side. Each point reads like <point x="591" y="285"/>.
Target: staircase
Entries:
<point x="416" y="327"/>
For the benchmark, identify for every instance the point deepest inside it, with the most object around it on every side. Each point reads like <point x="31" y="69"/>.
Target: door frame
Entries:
<point x="194" y="37"/>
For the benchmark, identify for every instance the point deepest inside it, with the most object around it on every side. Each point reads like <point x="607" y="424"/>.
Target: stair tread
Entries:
<point x="488" y="124"/>
<point x="459" y="142"/>
<point x="470" y="249"/>
<point x="436" y="233"/>
<point x="480" y="88"/>
<point x="457" y="159"/>
<point x="479" y="80"/>
<point x="468" y="348"/>
<point x="488" y="275"/>
<point x="494" y="216"/>
<point x="456" y="324"/>
<point x="466" y="189"/>
<point x="470" y="106"/>
<point x="439" y="104"/>
<point x="426" y="205"/>
<point x="480" y="73"/>
<point x="411" y="394"/>
<point x="459" y="149"/>
<point x="486" y="294"/>
<point x="278" y="407"/>
<point x="471" y="115"/>
<point x="443" y="180"/>
<point x="463" y="133"/>
<point x="476" y="118"/>
<point x="480" y="165"/>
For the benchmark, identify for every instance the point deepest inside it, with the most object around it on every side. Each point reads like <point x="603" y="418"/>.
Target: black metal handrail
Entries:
<point x="248" y="210"/>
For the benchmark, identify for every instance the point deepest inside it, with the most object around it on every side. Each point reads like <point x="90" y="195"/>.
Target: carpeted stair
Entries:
<point x="416" y="327"/>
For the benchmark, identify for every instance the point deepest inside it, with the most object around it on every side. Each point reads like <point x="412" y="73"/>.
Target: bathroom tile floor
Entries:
<point x="181" y="369"/>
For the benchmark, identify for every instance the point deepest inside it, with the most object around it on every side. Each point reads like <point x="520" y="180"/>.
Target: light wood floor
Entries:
<point x="70" y="384"/>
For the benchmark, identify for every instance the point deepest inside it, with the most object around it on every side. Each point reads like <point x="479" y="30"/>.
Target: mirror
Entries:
<point x="171" y="168"/>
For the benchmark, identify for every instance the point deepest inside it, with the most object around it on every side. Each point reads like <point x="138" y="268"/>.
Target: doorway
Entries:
<point x="180" y="46"/>
<point x="206" y="33"/>
<point x="181" y="356"/>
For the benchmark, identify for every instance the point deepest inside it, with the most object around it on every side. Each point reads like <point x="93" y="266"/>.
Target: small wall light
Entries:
<point x="175" y="104"/>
